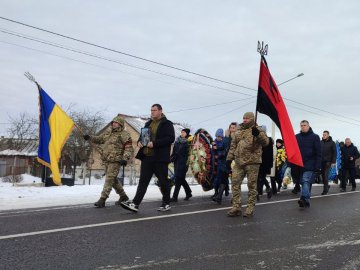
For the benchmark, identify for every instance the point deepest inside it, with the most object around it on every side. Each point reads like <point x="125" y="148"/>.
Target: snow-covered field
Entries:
<point x="27" y="196"/>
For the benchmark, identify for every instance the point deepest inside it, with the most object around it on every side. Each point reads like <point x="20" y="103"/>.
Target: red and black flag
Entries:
<point x="270" y="102"/>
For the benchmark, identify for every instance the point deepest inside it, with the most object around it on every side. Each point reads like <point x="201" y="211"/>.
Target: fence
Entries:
<point x="6" y="170"/>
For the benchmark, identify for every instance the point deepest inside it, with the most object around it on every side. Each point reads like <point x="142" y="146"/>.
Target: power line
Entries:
<point x="220" y="115"/>
<point x="332" y="118"/>
<point x="335" y="114"/>
<point x="151" y="61"/>
<point x="127" y="54"/>
<point x="118" y="62"/>
<point x="212" y="105"/>
<point x="57" y="55"/>
<point x="83" y="62"/>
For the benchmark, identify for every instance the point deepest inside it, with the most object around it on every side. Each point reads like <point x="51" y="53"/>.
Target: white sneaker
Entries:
<point x="130" y="205"/>
<point x="164" y="207"/>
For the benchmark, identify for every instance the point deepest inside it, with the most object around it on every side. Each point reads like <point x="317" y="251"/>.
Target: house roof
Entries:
<point x="16" y="147"/>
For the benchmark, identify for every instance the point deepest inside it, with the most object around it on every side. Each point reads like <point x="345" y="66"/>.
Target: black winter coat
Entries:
<point x="180" y="156"/>
<point x="267" y="158"/>
<point x="346" y="153"/>
<point x="328" y="150"/>
<point x="165" y="136"/>
<point x="310" y="148"/>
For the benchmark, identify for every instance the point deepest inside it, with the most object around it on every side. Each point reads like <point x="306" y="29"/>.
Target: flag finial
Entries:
<point x="30" y="77"/>
<point x="261" y="49"/>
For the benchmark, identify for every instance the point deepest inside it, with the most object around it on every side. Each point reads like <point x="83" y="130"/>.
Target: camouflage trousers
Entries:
<point x="112" y="171"/>
<point x="238" y="174"/>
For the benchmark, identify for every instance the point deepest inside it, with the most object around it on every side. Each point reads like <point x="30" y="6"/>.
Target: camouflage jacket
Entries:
<point x="116" y="145"/>
<point x="246" y="149"/>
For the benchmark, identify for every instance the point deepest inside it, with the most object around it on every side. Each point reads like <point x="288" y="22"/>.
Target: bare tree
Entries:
<point x="26" y="126"/>
<point x="185" y="125"/>
<point x="23" y="127"/>
<point x="89" y="122"/>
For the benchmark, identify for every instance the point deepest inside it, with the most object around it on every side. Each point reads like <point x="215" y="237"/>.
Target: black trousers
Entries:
<point x="181" y="181"/>
<point x="345" y="172"/>
<point x="325" y="167"/>
<point x="261" y="182"/>
<point x="147" y="170"/>
<point x="276" y="180"/>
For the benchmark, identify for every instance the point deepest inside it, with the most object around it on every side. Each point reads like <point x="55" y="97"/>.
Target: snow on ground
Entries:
<point x="27" y="196"/>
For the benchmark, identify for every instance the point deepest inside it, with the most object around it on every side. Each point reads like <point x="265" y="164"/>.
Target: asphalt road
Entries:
<point x="193" y="235"/>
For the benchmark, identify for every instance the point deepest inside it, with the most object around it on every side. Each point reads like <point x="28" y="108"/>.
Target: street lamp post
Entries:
<point x="293" y="78"/>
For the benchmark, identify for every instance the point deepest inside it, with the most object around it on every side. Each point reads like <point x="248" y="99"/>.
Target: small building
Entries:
<point x="18" y="157"/>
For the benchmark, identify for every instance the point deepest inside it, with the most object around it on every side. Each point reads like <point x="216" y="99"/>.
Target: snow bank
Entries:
<point x="22" y="197"/>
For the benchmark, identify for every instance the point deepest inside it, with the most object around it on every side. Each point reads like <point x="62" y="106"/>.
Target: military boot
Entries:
<point x="123" y="198"/>
<point x="100" y="203"/>
<point x="248" y="213"/>
<point x="233" y="212"/>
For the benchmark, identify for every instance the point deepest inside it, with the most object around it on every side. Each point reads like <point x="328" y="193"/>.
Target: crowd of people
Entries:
<point x="243" y="150"/>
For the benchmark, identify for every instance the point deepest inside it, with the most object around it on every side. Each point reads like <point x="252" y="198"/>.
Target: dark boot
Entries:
<point x="269" y="193"/>
<point x="325" y="190"/>
<point x="188" y="197"/>
<point x="100" y="203"/>
<point x="296" y="189"/>
<point x="221" y="190"/>
<point x="227" y="190"/>
<point x="215" y="195"/>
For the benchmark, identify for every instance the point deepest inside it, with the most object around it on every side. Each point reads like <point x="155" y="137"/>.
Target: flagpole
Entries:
<point x="262" y="50"/>
<point x="32" y="79"/>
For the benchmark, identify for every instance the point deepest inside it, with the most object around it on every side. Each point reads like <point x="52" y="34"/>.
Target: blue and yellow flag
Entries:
<point x="55" y="128"/>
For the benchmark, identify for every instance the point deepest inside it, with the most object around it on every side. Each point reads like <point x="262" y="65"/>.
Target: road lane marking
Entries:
<point x="10" y="236"/>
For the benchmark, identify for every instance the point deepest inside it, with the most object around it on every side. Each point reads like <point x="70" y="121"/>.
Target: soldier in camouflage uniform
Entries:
<point x="117" y="149"/>
<point x="246" y="150"/>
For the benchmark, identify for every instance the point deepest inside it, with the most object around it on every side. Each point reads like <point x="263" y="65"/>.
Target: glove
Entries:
<point x="254" y="131"/>
<point x="123" y="162"/>
<point x="228" y="165"/>
<point x="86" y="137"/>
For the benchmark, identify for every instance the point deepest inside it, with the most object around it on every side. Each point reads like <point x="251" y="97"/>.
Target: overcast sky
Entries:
<point x="216" y="38"/>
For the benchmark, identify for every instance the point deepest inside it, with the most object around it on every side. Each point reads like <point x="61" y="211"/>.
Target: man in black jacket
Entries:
<point x="328" y="159"/>
<point x="155" y="158"/>
<point x="349" y="154"/>
<point x="310" y="148"/>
